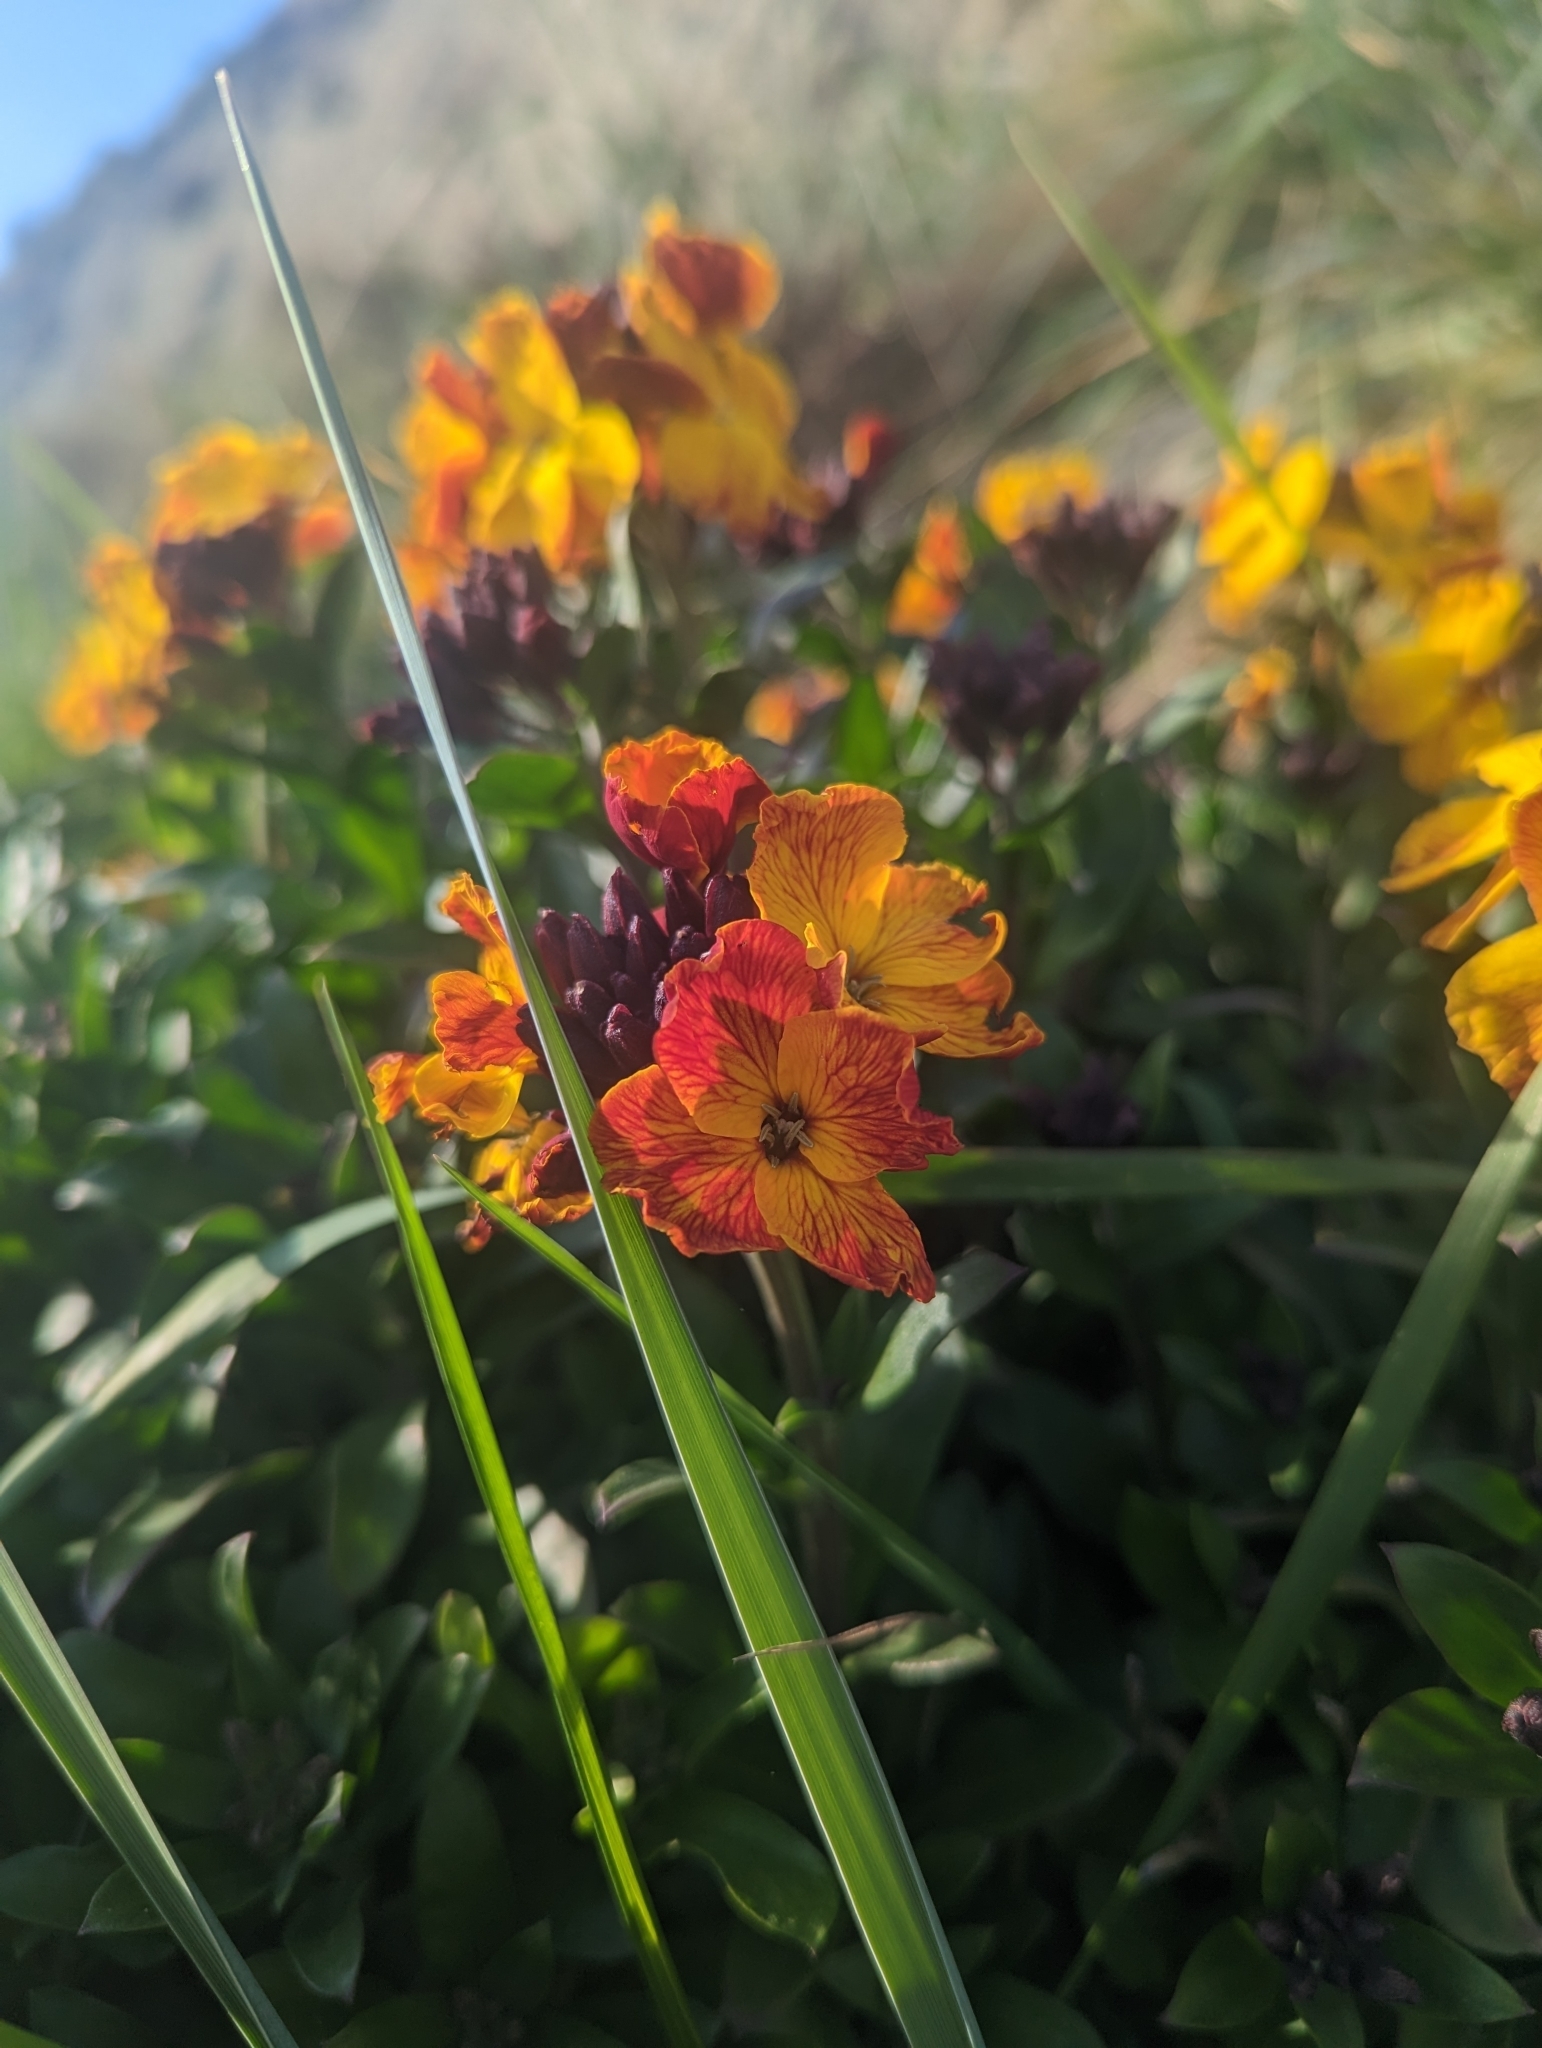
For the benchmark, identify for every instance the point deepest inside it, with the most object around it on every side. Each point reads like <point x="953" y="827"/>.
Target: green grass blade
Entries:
<point x="1036" y="1676"/>
<point x="1158" y="1175"/>
<point x="825" y="1739"/>
<point x="497" y="1489"/>
<point x="212" y="1307"/>
<point x="1351" y="1490"/>
<point x="49" y="1694"/>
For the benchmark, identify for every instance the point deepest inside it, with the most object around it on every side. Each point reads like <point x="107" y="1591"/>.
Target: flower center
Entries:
<point x="784" y="1130"/>
<point x="860" y="987"/>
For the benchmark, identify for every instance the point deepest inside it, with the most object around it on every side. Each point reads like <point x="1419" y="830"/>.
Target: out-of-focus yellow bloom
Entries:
<point x="1434" y="697"/>
<point x="229" y="477"/>
<point x="506" y="454"/>
<point x="781" y="708"/>
<point x="689" y="303"/>
<point x="1254" y="538"/>
<point x="113" y="682"/>
<point x="1020" y="492"/>
<point x="930" y="590"/>
<point x="1264" y="678"/>
<point x="1467" y="830"/>
<point x="1400" y="514"/>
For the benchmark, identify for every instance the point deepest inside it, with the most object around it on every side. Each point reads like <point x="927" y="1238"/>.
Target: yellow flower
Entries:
<point x="112" y="686"/>
<point x="781" y="708"/>
<point x="1254" y="537"/>
<point x="228" y="477"/>
<point x="1494" y="1000"/>
<point x="1264" y="678"/>
<point x="1020" y="492"/>
<point x="1467" y="830"/>
<point x="1404" y="520"/>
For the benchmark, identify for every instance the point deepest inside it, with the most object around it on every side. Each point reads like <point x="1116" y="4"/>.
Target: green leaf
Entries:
<point x="212" y="1308"/>
<point x="53" y="1886"/>
<point x="1461" y="1872"/>
<point x="420" y="2022"/>
<point x="966" y="1287"/>
<point x="460" y="1874"/>
<point x="178" y="1784"/>
<point x="830" y="1749"/>
<point x="1331" y="2018"/>
<point x="1452" y="1983"/>
<point x="1351" y="1491"/>
<point x="324" y="1940"/>
<point x="535" y="791"/>
<point x="265" y="1685"/>
<point x="1297" y="1848"/>
<point x="773" y="1877"/>
<point x="137" y="1694"/>
<point x="1438" y="1743"/>
<point x="226" y="1872"/>
<point x="1480" y="1621"/>
<point x="427" y="1735"/>
<point x="1488" y="1493"/>
<point x="683" y="1622"/>
<point x="1017" y="1769"/>
<point x="1230" y="1981"/>
<point x="376" y="1484"/>
<point x="152" y="1515"/>
<point x="1152" y="1174"/>
<point x="1013" y="2014"/>
<point x="632" y="1489"/>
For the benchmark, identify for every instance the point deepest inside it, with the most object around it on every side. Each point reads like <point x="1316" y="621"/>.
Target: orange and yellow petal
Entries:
<point x="229" y="476"/>
<point x="680" y="801"/>
<point x="510" y="342"/>
<point x="930" y="591"/>
<point x="471" y="906"/>
<point x="476" y="1022"/>
<point x="1443" y="841"/>
<point x="698" y="1189"/>
<point x="1494" y="1003"/>
<point x="1478" y="617"/>
<point x="1403" y="691"/>
<point x="955" y="1022"/>
<point x="510" y="1168"/>
<point x="391" y="1076"/>
<point x="477" y="1104"/>
<point x="781" y="708"/>
<point x="846" y="1069"/>
<point x="1021" y="492"/>
<point x="1500" y="882"/>
<point x="720" y="1039"/>
<point x="709" y="285"/>
<point x="1449" y="749"/>
<point x="821" y="864"/>
<point x="917" y="942"/>
<point x="853" y="1231"/>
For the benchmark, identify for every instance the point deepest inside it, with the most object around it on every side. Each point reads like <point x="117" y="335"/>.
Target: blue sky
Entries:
<point x="79" y="77"/>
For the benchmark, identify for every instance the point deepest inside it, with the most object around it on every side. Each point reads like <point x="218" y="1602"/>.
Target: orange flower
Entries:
<point x="930" y="591"/>
<point x="769" y="1116"/>
<point x="1018" y="493"/>
<point x="1251" y="695"/>
<point x="112" y="686"/>
<point x="679" y="802"/>
<point x="1254" y="537"/>
<point x="827" y="869"/>
<point x="472" y="1083"/>
<point x="724" y="455"/>
<point x="781" y="708"/>
<point x="506" y="454"/>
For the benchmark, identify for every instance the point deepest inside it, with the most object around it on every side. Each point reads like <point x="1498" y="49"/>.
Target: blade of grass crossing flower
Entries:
<point x="1159" y="1174"/>
<point x="50" y="1696"/>
<point x="1036" y="1676"/>
<point x="842" y="1779"/>
<point x="1351" y="1491"/>
<point x="497" y="1490"/>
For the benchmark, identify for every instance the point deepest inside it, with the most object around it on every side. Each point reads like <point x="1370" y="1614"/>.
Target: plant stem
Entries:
<point x="475" y="1424"/>
<point x="779" y="1280"/>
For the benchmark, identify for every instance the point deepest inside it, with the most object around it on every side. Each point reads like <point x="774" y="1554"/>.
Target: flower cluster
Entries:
<point x="234" y="513"/>
<point x="1086" y="549"/>
<point x="1438" y="641"/>
<point x="752" y="1038"/>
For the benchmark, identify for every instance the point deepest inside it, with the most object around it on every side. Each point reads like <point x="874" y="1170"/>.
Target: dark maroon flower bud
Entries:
<point x="647" y="949"/>
<point x="556" y="1169"/>
<point x="209" y="580"/>
<point x="632" y="994"/>
<point x="682" y="902"/>
<point x="623" y="901"/>
<point x="629" y="1040"/>
<point x="1089" y="560"/>
<point x="591" y="1001"/>
<point x="588" y="954"/>
<point x="1523" y="1720"/>
<point x="551" y="943"/>
<point x="992" y="697"/>
<point x="727" y="898"/>
<point x="688" y="945"/>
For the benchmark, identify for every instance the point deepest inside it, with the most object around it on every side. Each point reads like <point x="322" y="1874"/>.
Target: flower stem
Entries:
<point x="778" y="1278"/>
